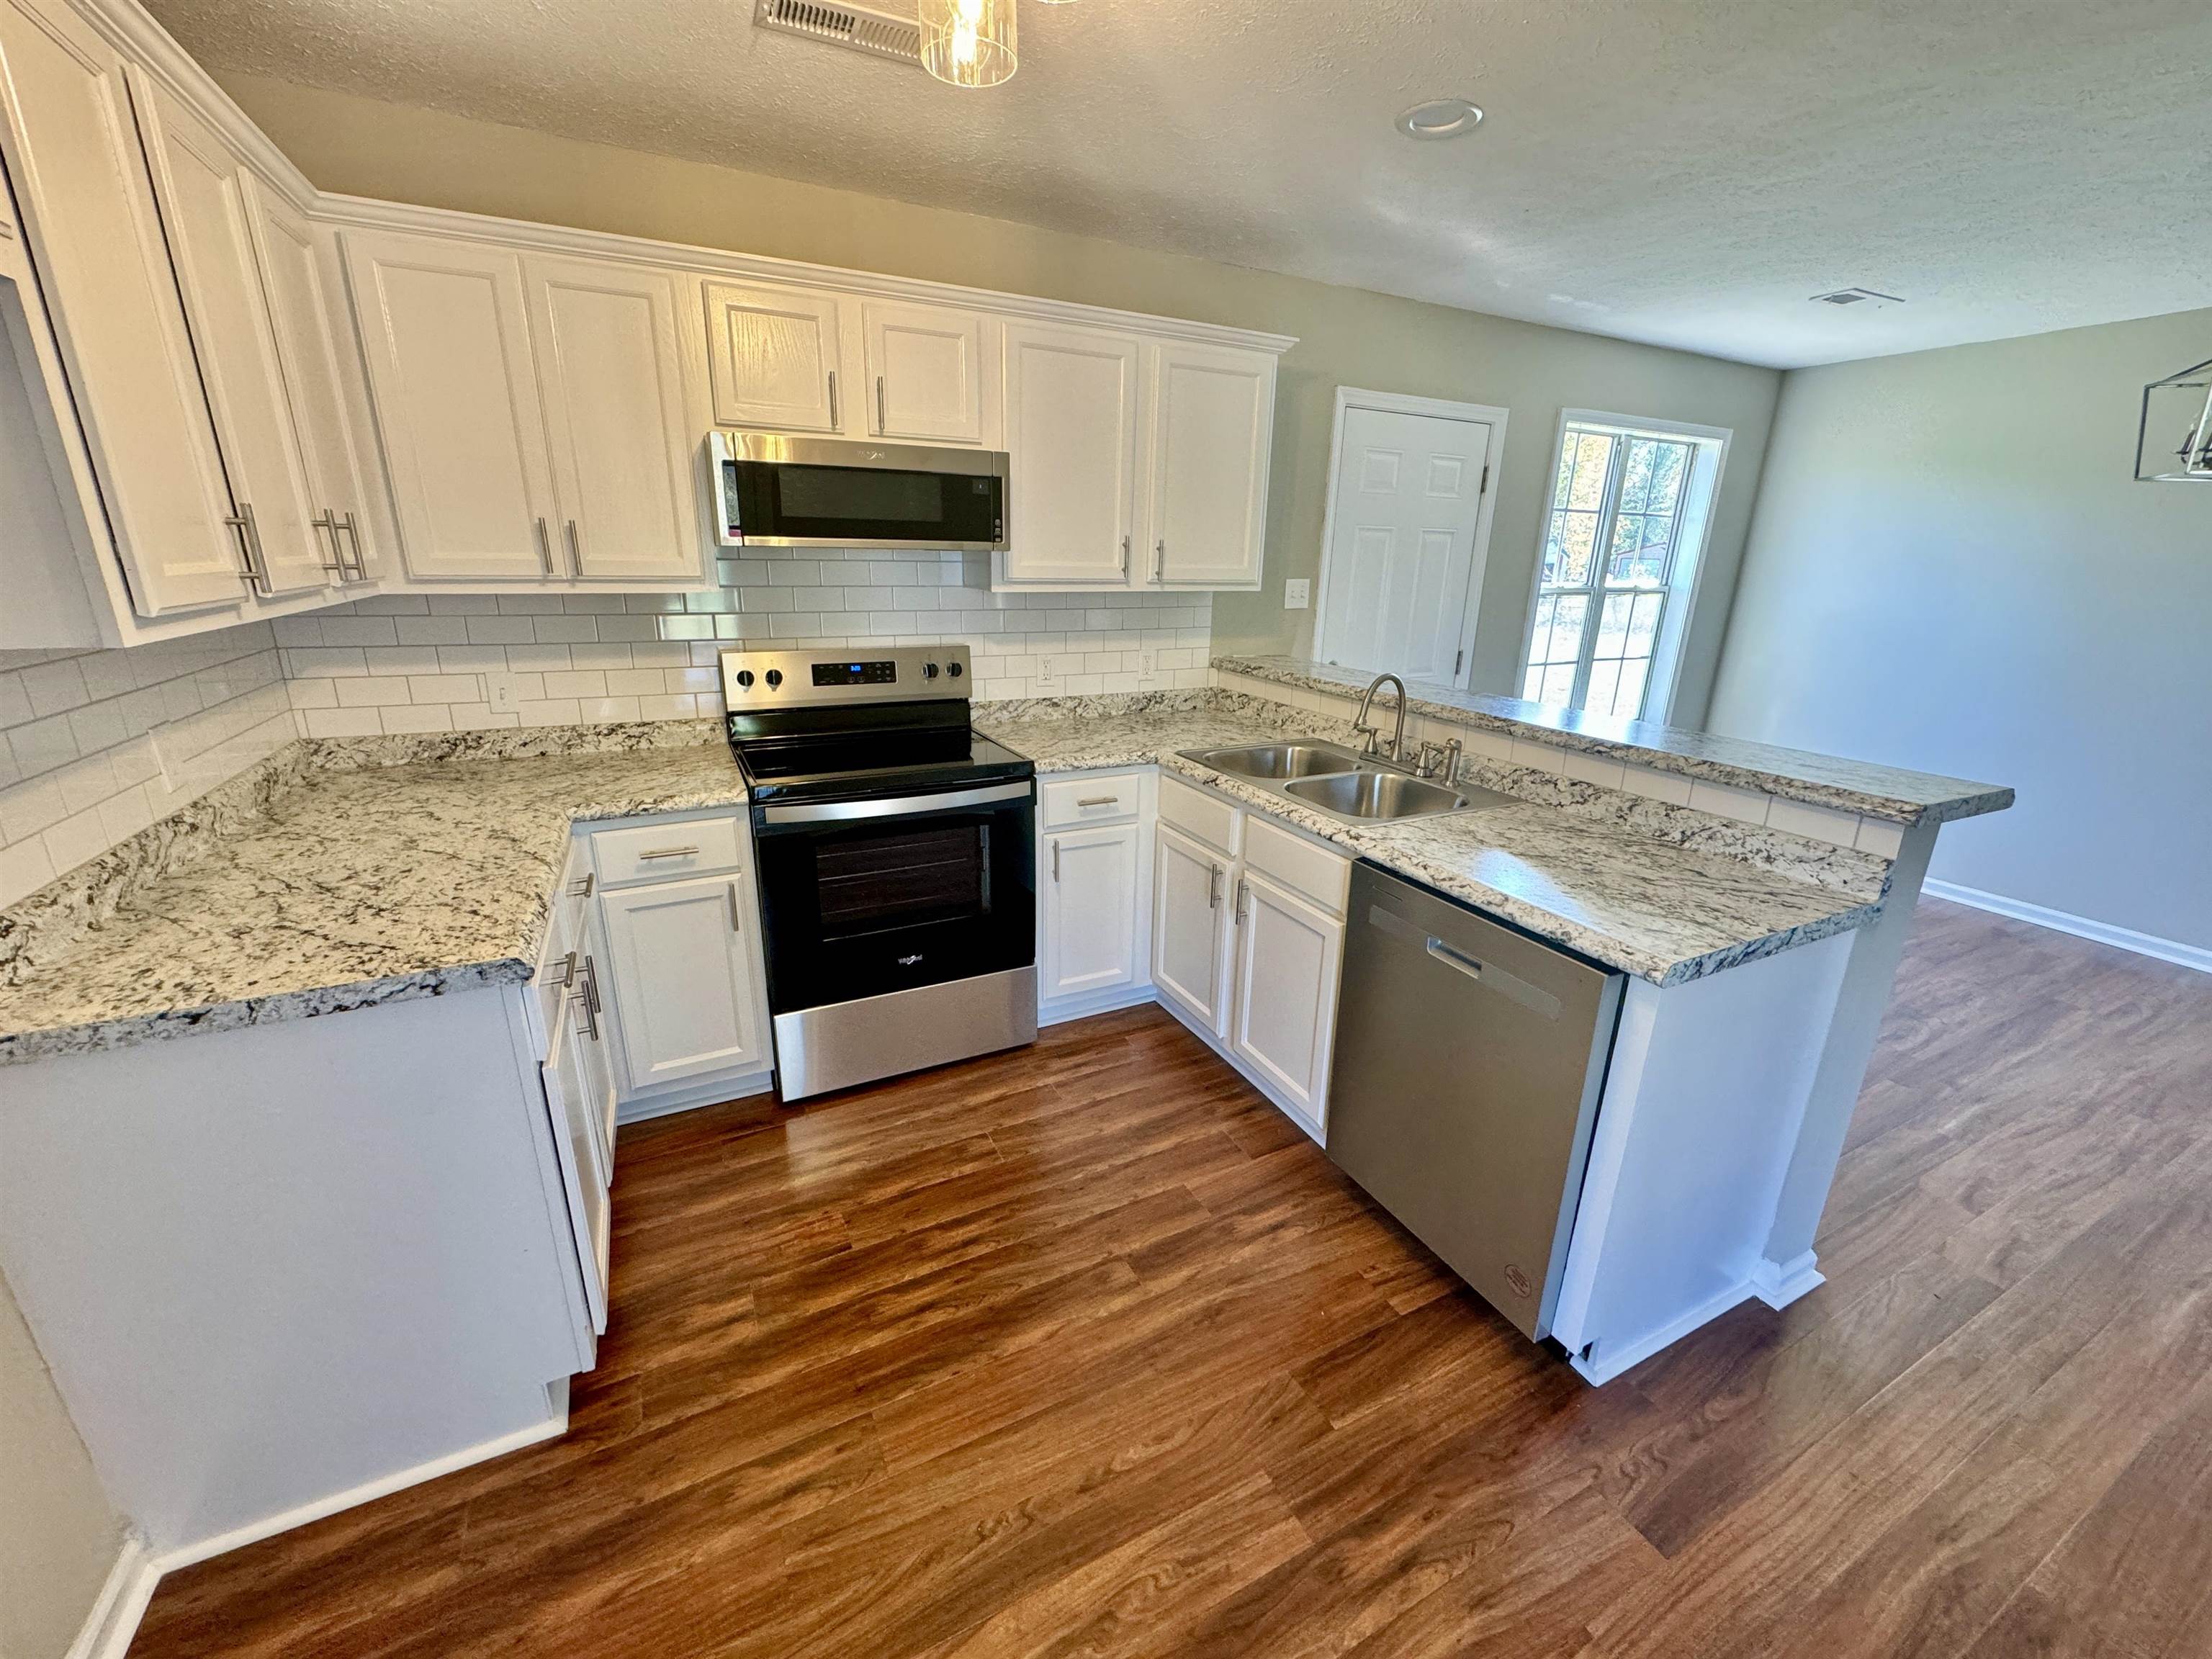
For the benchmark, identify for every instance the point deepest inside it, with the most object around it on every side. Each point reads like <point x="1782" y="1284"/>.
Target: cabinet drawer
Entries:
<point x="1312" y="871"/>
<point x="656" y="851"/>
<point x="1090" y="800"/>
<point x="1195" y="812"/>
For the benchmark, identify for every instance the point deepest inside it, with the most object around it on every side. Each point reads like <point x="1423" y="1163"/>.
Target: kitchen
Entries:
<point x="709" y="895"/>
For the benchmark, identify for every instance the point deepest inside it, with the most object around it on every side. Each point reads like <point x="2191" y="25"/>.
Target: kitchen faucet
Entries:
<point x="1371" y="740"/>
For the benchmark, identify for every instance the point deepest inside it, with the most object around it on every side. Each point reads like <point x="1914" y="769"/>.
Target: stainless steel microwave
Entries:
<point x="771" y="491"/>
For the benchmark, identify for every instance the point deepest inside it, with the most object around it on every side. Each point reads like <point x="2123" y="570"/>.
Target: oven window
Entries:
<point x="872" y="882"/>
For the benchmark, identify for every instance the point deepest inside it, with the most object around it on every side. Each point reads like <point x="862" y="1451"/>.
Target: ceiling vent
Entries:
<point x="864" y="28"/>
<point x="1857" y="296"/>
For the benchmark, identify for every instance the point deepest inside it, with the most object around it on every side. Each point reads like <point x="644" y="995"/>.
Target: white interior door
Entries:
<point x="1400" y="560"/>
<point x="203" y="194"/>
<point x="75" y="161"/>
<point x="1190" y="916"/>
<point x="611" y="374"/>
<point x="773" y="356"/>
<point x="683" y="981"/>
<point x="1213" y="412"/>
<point x="926" y="376"/>
<point x="447" y="338"/>
<point x="1072" y="445"/>
<point x="1288" y="955"/>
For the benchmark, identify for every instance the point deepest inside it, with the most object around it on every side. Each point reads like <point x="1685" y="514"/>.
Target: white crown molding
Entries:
<point x="364" y="212"/>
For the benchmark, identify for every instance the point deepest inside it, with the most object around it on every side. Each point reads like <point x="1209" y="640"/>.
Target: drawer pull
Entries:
<point x="1099" y="800"/>
<point x="582" y="889"/>
<point x="566" y="969"/>
<point x="671" y="853"/>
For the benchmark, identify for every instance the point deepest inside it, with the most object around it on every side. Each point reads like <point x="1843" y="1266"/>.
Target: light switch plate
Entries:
<point x="503" y="693"/>
<point x="1298" y="593"/>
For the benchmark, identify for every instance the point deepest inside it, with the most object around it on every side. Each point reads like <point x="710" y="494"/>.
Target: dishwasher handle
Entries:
<point x="1536" y="999"/>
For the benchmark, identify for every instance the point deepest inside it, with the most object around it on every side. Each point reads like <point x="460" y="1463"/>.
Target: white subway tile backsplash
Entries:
<point x="1814" y="823"/>
<point x="1747" y="806"/>
<point x="1671" y="787"/>
<point x="1881" y="838"/>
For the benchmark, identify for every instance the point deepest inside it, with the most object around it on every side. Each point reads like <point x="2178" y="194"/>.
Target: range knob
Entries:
<point x="929" y="671"/>
<point x="775" y="678"/>
<point x="745" y="678"/>
<point x="954" y="670"/>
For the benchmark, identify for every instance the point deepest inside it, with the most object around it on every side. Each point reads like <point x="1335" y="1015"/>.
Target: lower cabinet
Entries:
<point x="1089" y="912"/>
<point x="686" y="981"/>
<point x="1283" y="1014"/>
<point x="1190" y="924"/>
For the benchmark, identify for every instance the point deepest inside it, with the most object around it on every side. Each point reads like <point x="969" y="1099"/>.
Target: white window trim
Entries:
<point x="1668" y="648"/>
<point x="1404" y="403"/>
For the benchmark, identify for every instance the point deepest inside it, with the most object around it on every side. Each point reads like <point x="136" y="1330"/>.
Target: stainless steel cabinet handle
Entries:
<point x="1160" y="560"/>
<point x="1212" y="886"/>
<point x="583" y="889"/>
<point x="575" y="548"/>
<point x="328" y="525"/>
<point x="737" y="914"/>
<point x="834" y="421"/>
<point x="590" y="998"/>
<point x="671" y="853"/>
<point x="545" y="547"/>
<point x="565" y="969"/>
<point x="1125" y="555"/>
<point x="882" y="422"/>
<point x="1243" y="893"/>
<point x="360" y="570"/>
<point x="1097" y="800"/>
<point x="249" y="547"/>
<point x="1055" y="860"/>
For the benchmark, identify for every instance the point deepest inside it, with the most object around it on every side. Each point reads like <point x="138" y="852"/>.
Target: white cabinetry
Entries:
<point x="1247" y="937"/>
<point x="775" y="357"/>
<point x="930" y="372"/>
<point x="74" y="159"/>
<point x="534" y="413"/>
<point x="1137" y="465"/>
<point x="1072" y="444"/>
<point x="205" y="193"/>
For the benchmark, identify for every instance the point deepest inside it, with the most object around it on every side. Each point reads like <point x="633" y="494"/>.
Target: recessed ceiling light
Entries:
<point x="1440" y="118"/>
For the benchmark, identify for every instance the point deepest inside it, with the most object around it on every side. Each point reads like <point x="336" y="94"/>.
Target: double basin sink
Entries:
<point x="1342" y="783"/>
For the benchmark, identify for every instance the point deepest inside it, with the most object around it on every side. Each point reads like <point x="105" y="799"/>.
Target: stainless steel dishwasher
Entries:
<point x="1469" y="1063"/>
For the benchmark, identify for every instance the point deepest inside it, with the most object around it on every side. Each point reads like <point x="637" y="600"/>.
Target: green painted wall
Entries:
<point x="1346" y="335"/>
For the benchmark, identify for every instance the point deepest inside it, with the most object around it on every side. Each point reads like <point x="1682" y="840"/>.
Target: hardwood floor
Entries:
<point x="1085" y="1351"/>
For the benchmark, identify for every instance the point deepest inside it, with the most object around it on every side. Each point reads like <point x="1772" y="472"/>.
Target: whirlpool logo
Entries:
<point x="908" y="961"/>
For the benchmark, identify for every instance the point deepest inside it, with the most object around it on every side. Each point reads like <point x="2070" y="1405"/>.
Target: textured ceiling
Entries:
<point x="1684" y="172"/>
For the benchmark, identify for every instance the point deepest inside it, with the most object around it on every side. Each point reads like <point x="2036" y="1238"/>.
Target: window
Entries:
<point x="1630" y="505"/>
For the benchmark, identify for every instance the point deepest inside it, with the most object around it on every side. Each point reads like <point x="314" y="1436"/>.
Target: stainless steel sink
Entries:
<point x="1279" y="760"/>
<point x="1376" y="795"/>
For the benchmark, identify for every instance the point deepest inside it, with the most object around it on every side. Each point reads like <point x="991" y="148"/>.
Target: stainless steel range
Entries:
<point x="896" y="859"/>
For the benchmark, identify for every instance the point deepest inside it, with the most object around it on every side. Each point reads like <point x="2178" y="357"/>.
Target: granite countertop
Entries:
<point x="1881" y="792"/>
<point x="357" y="887"/>
<point x="1614" y="893"/>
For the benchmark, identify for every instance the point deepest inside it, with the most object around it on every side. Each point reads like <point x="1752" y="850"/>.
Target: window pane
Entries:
<point x="1628" y="700"/>
<point x="1669" y="465"/>
<point x="1578" y="545"/>
<point x="1613" y="626"/>
<point x="1593" y="452"/>
<point x="1531" y="683"/>
<point x="1643" y="628"/>
<point x="1558" y="684"/>
<point x="1604" y="678"/>
<point x="1635" y="475"/>
<point x="1566" y="643"/>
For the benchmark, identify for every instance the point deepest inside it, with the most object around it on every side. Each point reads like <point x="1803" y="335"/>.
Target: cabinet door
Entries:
<point x="1190" y="923"/>
<point x="567" y="1079"/>
<point x="445" y="333"/>
<point x="308" y="317"/>
<point x="203" y="190"/>
<point x="1089" y="889"/>
<point x="773" y="356"/>
<point x="611" y="374"/>
<point x="1072" y="444"/>
<point x="926" y="373"/>
<point x="684" y="981"/>
<point x="1212" y="418"/>
<point x="1287" y="955"/>
<point x="96" y="241"/>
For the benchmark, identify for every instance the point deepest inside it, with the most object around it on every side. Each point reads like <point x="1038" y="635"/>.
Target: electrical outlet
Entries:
<point x="1298" y="593"/>
<point x="1148" y="667"/>
<point x="503" y="692"/>
<point x="1045" y="677"/>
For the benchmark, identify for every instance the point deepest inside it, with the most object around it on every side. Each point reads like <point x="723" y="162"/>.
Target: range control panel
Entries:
<point x="791" y="679"/>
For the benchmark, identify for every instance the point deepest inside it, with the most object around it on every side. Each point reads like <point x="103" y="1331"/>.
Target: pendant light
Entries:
<point x="968" y="43"/>
<point x="2178" y="407"/>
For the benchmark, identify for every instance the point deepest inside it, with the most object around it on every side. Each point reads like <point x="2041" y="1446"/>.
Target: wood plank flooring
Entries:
<point x="1085" y="1351"/>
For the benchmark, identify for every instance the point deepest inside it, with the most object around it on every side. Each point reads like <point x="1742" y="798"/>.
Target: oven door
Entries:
<point x="860" y="898"/>
<point x="773" y="492"/>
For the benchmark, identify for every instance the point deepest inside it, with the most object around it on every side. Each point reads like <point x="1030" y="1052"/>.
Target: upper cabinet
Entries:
<point x="929" y="373"/>
<point x="73" y="157"/>
<point x="1072" y="412"/>
<point x="535" y="413"/>
<point x="1212" y="418"/>
<point x="775" y="357"/>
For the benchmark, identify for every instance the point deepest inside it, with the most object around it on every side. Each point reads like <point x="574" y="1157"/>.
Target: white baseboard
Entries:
<point x="254" y="1531"/>
<point x="1607" y="1360"/>
<point x="2104" y="933"/>
<point x="638" y="1108"/>
<point x="1779" y="1283"/>
<point x="1082" y="1007"/>
<point x="114" y="1617"/>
